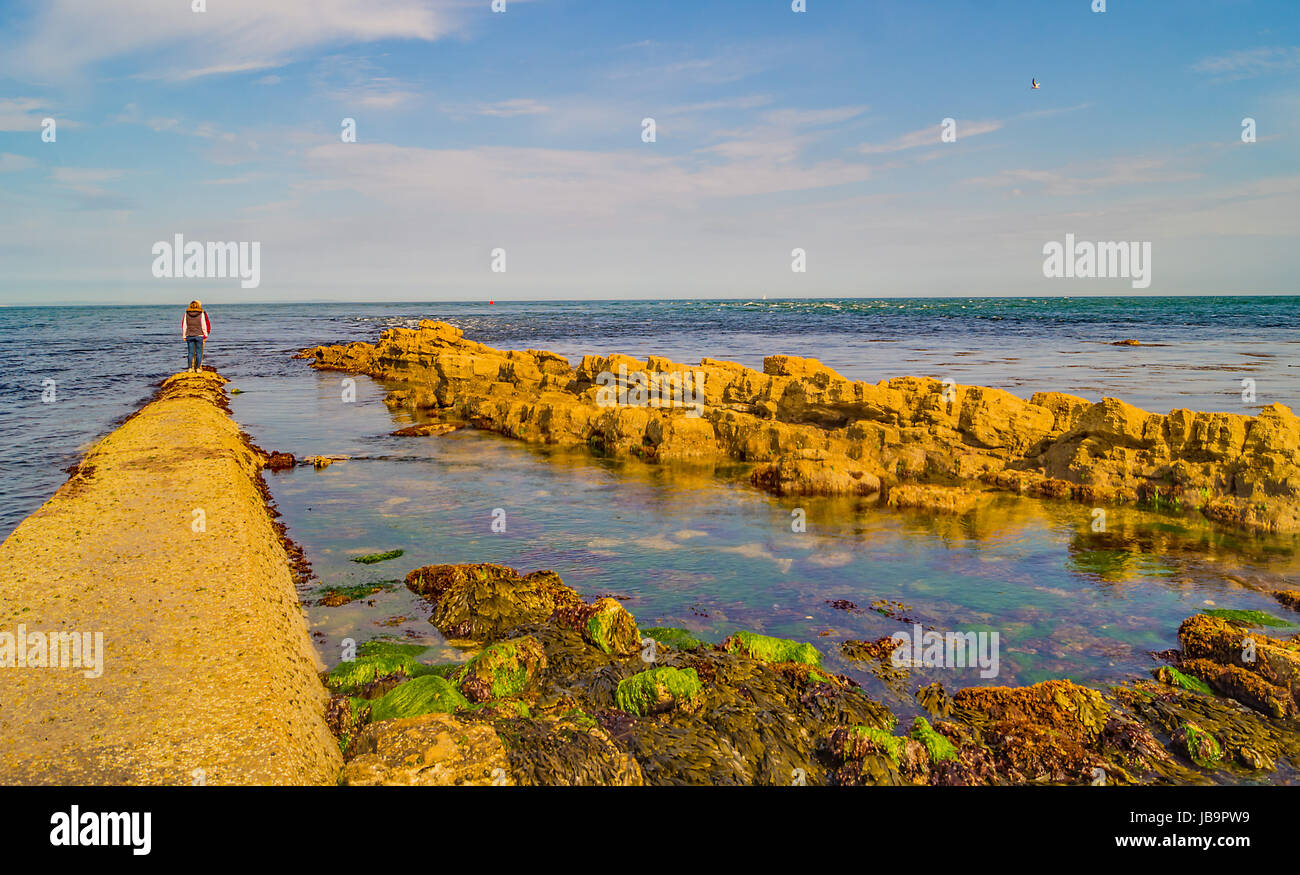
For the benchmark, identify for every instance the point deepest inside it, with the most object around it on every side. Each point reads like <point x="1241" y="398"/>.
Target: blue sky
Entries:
<point x="522" y="130"/>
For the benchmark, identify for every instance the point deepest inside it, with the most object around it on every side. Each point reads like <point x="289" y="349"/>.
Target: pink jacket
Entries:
<point x="207" y="325"/>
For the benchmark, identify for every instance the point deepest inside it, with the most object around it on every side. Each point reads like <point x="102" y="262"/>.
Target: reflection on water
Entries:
<point x="700" y="549"/>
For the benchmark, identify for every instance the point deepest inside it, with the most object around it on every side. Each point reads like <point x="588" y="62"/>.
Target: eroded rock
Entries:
<point x="809" y="431"/>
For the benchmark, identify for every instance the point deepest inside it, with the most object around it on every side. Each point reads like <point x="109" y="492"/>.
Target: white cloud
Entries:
<point x="930" y="137"/>
<point x="10" y="162"/>
<point x="806" y="118"/>
<point x="83" y="175"/>
<point x="22" y="113"/>
<point x="1250" y="62"/>
<point x="358" y="83"/>
<point x="503" y="108"/>
<point x="1076" y="180"/>
<point x="66" y="36"/>
<point x="749" y="102"/>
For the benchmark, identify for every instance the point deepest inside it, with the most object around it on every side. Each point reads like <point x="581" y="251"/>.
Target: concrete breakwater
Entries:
<point x="806" y="430"/>
<point x="150" y="632"/>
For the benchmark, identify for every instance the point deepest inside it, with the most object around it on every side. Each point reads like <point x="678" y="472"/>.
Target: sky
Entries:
<point x="480" y="132"/>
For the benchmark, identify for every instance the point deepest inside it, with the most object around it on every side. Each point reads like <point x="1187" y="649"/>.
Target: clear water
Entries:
<point x="701" y="549"/>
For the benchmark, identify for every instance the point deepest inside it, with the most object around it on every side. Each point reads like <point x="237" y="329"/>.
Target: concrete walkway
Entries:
<point x="162" y="543"/>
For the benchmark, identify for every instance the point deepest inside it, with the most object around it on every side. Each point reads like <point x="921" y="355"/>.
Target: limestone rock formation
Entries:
<point x="806" y="430"/>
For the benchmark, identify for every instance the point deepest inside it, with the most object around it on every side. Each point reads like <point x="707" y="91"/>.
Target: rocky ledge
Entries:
<point x="557" y="690"/>
<point x="910" y="441"/>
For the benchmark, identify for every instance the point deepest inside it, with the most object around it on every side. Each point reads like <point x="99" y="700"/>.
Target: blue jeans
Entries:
<point x="193" y="352"/>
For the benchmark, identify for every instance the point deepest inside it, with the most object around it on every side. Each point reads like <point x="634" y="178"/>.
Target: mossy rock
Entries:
<point x="374" y="660"/>
<point x="1167" y="674"/>
<point x="679" y="639"/>
<point x="888" y="744"/>
<point x="501" y="708"/>
<point x="937" y="746"/>
<point x="765" y="648"/>
<point x="502" y="670"/>
<point x="372" y="558"/>
<point x="659" y="689"/>
<point x="611" y="628"/>
<point x="1200" y="746"/>
<point x="754" y="726"/>
<point x="482" y="602"/>
<point x="868" y="755"/>
<point x="604" y="624"/>
<point x="422" y="695"/>
<point x="334" y="596"/>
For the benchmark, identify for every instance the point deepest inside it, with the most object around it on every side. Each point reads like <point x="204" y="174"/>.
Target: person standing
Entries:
<point x="195" y="327"/>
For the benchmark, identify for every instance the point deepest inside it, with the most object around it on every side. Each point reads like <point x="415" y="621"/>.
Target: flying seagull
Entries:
<point x="1035" y="83"/>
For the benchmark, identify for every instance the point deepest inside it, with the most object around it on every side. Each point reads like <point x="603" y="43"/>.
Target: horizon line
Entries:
<point x="747" y="298"/>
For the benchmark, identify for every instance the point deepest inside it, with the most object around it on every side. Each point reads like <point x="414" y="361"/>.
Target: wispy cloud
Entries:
<point x="1084" y="180"/>
<point x="931" y="136"/>
<point x="1249" y="63"/>
<point x="166" y="39"/>
<point x="85" y="184"/>
<point x="1051" y="111"/>
<point x="752" y="101"/>
<point x="22" y="113"/>
<point x="664" y="64"/>
<point x="359" y="83"/>
<point x="500" y="109"/>
<point x="10" y="163"/>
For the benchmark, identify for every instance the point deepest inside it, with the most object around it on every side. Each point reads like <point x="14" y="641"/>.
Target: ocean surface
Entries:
<point x="1196" y="351"/>
<point x="682" y="548"/>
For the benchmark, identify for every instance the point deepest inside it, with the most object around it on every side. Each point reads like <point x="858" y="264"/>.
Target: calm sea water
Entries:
<point x="105" y="360"/>
<point x="704" y="550"/>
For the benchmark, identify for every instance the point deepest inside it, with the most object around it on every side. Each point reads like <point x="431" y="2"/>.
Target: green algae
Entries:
<point x="679" y="639"/>
<point x="377" y="659"/>
<point x="580" y="718"/>
<point x="890" y="745"/>
<point x="1201" y="746"/>
<point x="656" y="688"/>
<point x="502" y="708"/>
<point x="1169" y="675"/>
<point x="1247" y="618"/>
<point x="765" y="648"/>
<point x="415" y="697"/>
<point x="333" y="596"/>
<point x="611" y="628"/>
<point x="501" y="670"/>
<point x="939" y="748"/>
<point x="372" y="558"/>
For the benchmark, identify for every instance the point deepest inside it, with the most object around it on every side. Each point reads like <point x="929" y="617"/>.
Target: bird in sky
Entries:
<point x="1034" y="83"/>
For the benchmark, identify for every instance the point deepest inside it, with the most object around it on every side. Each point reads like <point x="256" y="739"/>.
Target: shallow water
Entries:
<point x="701" y="549"/>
